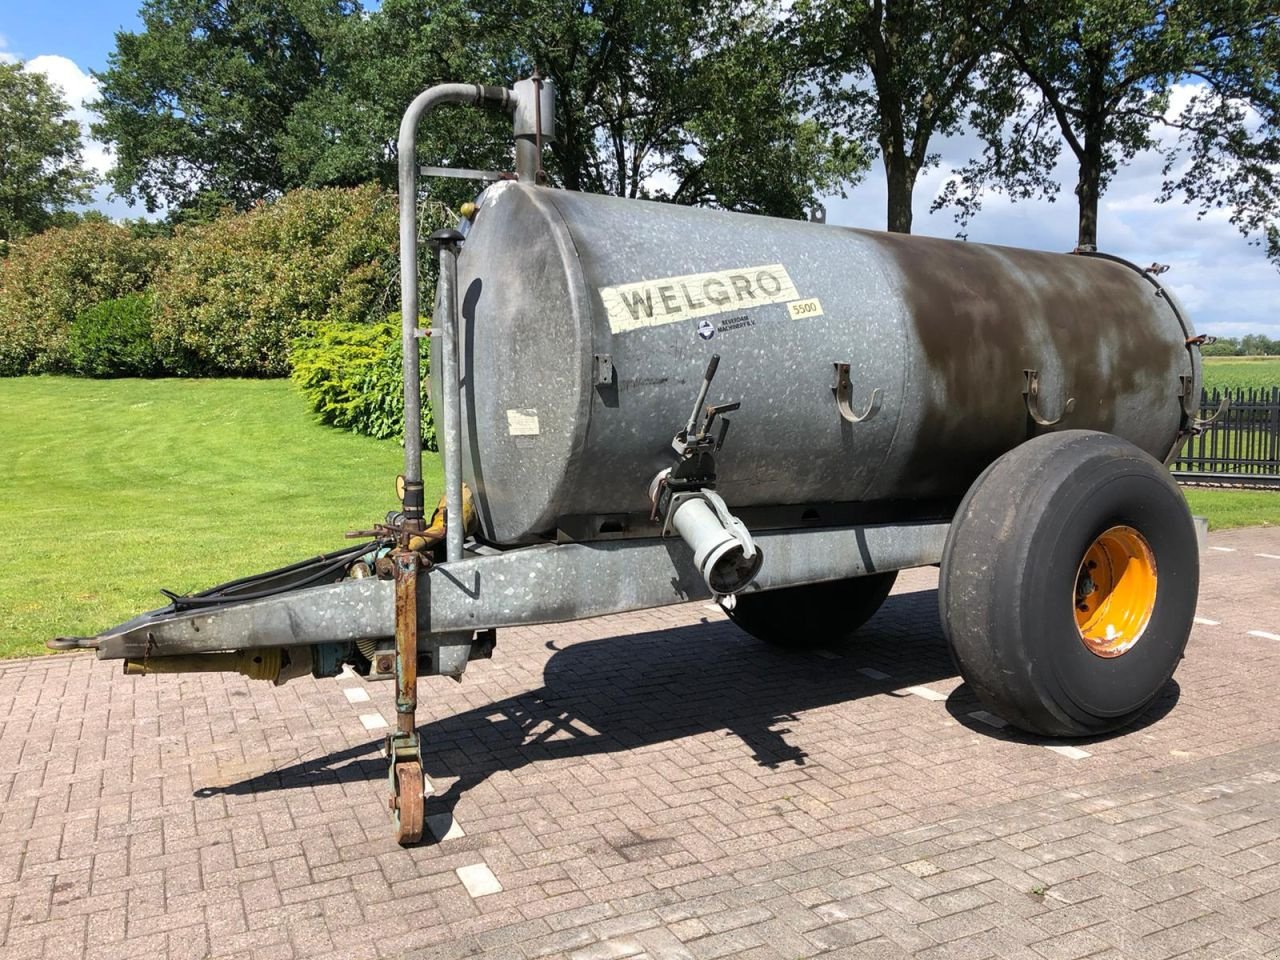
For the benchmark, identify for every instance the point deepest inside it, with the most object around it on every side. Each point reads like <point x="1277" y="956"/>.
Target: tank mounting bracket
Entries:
<point x="1031" y="394"/>
<point x="1191" y="406"/>
<point x="843" y="389"/>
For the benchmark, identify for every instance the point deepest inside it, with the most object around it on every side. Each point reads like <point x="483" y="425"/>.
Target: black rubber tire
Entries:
<point x="1007" y="587"/>
<point x="812" y="614"/>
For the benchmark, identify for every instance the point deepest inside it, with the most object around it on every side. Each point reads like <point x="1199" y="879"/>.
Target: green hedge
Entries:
<point x="113" y="339"/>
<point x="234" y="293"/>
<point x="351" y="374"/>
<point x="48" y="280"/>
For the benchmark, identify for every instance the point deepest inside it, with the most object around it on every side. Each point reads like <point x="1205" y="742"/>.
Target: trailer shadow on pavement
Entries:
<point x="630" y="691"/>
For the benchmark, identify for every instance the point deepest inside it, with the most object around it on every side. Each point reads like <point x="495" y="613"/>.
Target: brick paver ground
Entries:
<point x="657" y="785"/>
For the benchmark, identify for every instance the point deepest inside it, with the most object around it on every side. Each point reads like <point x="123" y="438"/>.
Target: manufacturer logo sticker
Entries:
<point x="653" y="303"/>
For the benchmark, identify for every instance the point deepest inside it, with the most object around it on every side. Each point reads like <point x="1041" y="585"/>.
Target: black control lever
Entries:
<point x="707" y="377"/>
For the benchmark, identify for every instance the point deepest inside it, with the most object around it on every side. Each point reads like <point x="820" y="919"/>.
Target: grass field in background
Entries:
<point x="111" y="489"/>
<point x="1232" y="373"/>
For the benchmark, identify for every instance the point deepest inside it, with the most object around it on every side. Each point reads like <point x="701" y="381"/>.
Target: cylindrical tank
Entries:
<point x="587" y="323"/>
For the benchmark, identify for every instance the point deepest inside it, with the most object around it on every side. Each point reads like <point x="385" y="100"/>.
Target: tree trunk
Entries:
<point x="901" y="180"/>
<point x="1088" y="189"/>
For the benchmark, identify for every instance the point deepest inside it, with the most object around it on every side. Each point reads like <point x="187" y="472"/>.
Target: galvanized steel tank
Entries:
<point x="556" y="287"/>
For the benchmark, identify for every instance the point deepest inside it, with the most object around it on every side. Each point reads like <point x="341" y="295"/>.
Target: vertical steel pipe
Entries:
<point x="446" y="243"/>
<point x="407" y="150"/>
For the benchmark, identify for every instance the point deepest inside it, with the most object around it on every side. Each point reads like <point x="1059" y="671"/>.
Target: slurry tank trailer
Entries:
<point x="642" y="404"/>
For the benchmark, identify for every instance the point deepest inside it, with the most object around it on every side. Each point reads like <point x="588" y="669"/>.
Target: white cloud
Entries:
<point x="78" y="89"/>
<point x="6" y="55"/>
<point x="1227" y="285"/>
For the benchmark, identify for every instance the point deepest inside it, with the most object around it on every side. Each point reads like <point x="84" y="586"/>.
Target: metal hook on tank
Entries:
<point x="1191" y="406"/>
<point x="1031" y="394"/>
<point x="843" y="389"/>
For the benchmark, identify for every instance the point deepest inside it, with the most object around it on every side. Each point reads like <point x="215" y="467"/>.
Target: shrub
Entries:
<point x="48" y="279"/>
<point x="352" y="375"/>
<point x="113" y="339"/>
<point x="235" y="292"/>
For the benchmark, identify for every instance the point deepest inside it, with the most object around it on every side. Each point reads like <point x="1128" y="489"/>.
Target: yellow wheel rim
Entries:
<point x="1115" y="591"/>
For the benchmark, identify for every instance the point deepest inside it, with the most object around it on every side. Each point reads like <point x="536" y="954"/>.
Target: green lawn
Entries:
<point x="1235" y="508"/>
<point x="112" y="489"/>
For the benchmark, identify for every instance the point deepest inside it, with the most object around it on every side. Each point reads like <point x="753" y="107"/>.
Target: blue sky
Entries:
<point x="1228" y="287"/>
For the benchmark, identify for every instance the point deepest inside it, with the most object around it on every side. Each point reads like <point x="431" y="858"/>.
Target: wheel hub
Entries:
<point x="1115" y="591"/>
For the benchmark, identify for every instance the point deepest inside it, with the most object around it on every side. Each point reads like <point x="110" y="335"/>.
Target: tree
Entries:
<point x="898" y="73"/>
<point x="1100" y="76"/>
<point x="198" y="102"/>
<point x="345" y="131"/>
<point x="696" y="102"/>
<point x="41" y="173"/>
<point x="699" y="102"/>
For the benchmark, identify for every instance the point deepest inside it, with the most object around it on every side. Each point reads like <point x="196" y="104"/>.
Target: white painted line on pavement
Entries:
<point x="1267" y="556"/>
<point x="1224" y="549"/>
<point x="1206" y="622"/>
<point x="443" y="827"/>
<point x="373" y="721"/>
<point x="923" y="692"/>
<point x="873" y="673"/>
<point x="356" y="694"/>
<point x="1071" y="753"/>
<point x="827" y="654"/>
<point x="990" y="719"/>
<point x="478" y="879"/>
<point x="1264" y="635"/>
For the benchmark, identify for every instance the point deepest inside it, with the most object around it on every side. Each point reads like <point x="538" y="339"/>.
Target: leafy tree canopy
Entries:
<point x="1100" y="76"/>
<point x="696" y="102"/>
<point x="897" y="74"/>
<point x="199" y="100"/>
<point x="40" y="167"/>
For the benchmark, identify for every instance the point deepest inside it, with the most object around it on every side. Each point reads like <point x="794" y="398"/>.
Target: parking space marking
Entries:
<point x="1206" y="622"/>
<point x="1267" y="556"/>
<point x="923" y="692"/>
<point x="1224" y="549"/>
<point x="478" y="879"/>
<point x="373" y="721"/>
<point x="990" y="719"/>
<point x="828" y="654"/>
<point x="356" y="694"/>
<point x="1264" y="635"/>
<point x="873" y="673"/>
<point x="1071" y="753"/>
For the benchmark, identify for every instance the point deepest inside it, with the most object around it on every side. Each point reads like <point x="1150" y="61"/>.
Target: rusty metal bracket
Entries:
<point x="1031" y="394"/>
<point x="404" y="758"/>
<point x="843" y="389"/>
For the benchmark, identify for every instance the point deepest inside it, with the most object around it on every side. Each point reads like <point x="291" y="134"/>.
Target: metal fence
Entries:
<point x="1241" y="446"/>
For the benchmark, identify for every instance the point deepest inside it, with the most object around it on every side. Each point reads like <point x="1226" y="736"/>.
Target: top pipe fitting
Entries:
<point x="530" y="103"/>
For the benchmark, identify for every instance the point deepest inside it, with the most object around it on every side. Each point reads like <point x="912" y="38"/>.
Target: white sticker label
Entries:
<point x="522" y="423"/>
<point x="799" y="309"/>
<point x="652" y="303"/>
